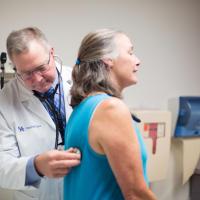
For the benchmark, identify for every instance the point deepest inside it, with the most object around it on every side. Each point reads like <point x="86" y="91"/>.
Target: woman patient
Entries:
<point x="114" y="157"/>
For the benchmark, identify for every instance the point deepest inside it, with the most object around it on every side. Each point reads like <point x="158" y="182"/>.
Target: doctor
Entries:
<point x="33" y="113"/>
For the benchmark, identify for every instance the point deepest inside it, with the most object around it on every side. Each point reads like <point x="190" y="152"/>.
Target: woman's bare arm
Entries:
<point x="111" y="132"/>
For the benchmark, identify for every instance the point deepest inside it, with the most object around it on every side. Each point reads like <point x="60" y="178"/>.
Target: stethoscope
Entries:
<point x="50" y="98"/>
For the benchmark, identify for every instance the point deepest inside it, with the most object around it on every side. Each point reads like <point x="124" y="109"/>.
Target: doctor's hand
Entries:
<point x="56" y="164"/>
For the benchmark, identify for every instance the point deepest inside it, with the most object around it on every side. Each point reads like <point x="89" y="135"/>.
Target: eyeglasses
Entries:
<point x="41" y="69"/>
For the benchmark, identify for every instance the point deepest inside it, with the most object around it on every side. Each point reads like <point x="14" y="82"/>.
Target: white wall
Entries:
<point x="165" y="34"/>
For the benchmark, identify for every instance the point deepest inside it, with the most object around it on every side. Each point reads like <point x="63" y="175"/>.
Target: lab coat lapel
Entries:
<point x="39" y="110"/>
<point x="33" y="104"/>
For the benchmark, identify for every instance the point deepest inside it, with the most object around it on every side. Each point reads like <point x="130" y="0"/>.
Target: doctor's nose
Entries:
<point x="36" y="77"/>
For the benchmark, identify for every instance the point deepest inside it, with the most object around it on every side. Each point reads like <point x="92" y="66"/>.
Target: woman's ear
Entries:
<point x="108" y="62"/>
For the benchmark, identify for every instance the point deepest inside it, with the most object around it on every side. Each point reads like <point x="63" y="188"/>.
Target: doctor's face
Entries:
<point x="36" y="67"/>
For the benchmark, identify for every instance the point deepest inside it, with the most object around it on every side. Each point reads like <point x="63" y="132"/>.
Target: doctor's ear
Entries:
<point x="108" y="62"/>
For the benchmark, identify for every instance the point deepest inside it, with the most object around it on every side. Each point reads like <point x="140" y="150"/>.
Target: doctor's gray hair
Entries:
<point x="18" y="41"/>
<point x="91" y="73"/>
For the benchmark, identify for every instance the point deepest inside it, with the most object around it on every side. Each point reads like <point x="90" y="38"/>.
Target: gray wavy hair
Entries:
<point x="91" y="73"/>
<point x="19" y="41"/>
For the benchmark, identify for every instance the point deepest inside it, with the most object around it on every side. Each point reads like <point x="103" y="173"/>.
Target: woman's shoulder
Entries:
<point x="114" y="106"/>
<point x="114" y="103"/>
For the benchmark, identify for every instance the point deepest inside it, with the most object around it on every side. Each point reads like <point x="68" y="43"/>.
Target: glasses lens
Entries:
<point x="25" y="76"/>
<point x="40" y="69"/>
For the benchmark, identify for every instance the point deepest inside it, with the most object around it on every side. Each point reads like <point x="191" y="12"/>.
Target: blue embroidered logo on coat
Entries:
<point x="23" y="129"/>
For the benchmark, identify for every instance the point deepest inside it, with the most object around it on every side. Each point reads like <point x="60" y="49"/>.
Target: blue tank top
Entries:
<point x="93" y="179"/>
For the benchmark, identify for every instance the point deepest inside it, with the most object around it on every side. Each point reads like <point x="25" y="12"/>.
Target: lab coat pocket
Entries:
<point x="34" y="141"/>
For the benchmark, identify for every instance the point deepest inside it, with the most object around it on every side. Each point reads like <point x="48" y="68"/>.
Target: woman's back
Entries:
<point x="93" y="178"/>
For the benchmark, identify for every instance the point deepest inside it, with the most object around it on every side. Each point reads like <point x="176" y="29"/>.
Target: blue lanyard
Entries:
<point x="53" y="101"/>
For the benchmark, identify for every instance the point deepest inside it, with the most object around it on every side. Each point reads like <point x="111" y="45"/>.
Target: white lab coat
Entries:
<point x="26" y="129"/>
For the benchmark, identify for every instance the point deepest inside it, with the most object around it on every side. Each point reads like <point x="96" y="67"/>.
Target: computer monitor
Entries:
<point x="188" y="121"/>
